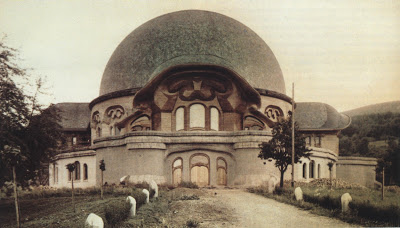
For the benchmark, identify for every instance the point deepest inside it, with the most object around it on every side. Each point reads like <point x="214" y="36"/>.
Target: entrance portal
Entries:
<point x="199" y="175"/>
<point x="200" y="169"/>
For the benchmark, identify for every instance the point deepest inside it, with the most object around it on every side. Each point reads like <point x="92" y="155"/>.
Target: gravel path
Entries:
<point x="251" y="210"/>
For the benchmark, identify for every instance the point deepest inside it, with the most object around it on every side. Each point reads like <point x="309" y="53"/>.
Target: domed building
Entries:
<point x="189" y="96"/>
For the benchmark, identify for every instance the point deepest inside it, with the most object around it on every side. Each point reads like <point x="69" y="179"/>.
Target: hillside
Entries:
<point x="392" y="106"/>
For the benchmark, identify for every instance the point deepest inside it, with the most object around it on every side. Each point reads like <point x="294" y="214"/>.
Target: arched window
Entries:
<point x="214" y="119"/>
<point x="85" y="171"/>
<point x="70" y="174"/>
<point x="180" y="119"/>
<point x="221" y="171"/>
<point x="54" y="172"/>
<point x="56" y="175"/>
<point x="117" y="131"/>
<point x="77" y="171"/>
<point x="177" y="167"/>
<point x="98" y="132"/>
<point x="197" y="116"/>
<point x="312" y="168"/>
<point x="252" y="123"/>
<point x="319" y="170"/>
<point x="305" y="170"/>
<point x="111" y="130"/>
<point x="141" y="124"/>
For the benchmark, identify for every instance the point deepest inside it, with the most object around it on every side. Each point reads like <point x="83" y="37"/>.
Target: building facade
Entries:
<point x="189" y="96"/>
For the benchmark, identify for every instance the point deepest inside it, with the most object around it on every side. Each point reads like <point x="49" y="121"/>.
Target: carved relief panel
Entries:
<point x="273" y="113"/>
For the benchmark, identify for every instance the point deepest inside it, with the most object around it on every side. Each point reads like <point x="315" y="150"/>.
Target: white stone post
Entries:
<point x="132" y="202"/>
<point x="145" y="191"/>
<point x="94" y="221"/>
<point x="298" y="193"/>
<point x="346" y="199"/>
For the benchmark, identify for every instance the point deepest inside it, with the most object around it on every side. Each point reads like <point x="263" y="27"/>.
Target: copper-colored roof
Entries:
<point x="74" y="116"/>
<point x="319" y="116"/>
<point x="191" y="37"/>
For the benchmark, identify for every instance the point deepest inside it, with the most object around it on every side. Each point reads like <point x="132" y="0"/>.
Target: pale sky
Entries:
<point x="343" y="53"/>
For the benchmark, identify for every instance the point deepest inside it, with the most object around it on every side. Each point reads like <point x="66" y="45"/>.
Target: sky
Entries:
<point x="343" y="53"/>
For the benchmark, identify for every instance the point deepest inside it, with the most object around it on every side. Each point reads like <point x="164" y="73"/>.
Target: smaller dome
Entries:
<point x="320" y="116"/>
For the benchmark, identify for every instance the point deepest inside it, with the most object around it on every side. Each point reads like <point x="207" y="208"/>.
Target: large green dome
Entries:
<point x="191" y="37"/>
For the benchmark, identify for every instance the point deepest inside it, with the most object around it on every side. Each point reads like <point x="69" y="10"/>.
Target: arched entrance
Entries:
<point x="200" y="169"/>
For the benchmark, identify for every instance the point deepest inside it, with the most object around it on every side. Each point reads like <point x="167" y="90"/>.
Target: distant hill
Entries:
<point x="392" y="106"/>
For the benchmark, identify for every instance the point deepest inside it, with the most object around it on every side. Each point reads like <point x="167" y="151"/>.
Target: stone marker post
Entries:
<point x="94" y="221"/>
<point x="132" y="202"/>
<point x="145" y="191"/>
<point x="345" y="200"/>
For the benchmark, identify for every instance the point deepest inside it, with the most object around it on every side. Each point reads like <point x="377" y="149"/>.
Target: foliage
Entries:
<point x="191" y="197"/>
<point x="188" y="184"/>
<point x="70" y="167"/>
<point x="279" y="148"/>
<point x="192" y="223"/>
<point x="102" y="165"/>
<point x="116" y="212"/>
<point x="375" y="135"/>
<point x="24" y="123"/>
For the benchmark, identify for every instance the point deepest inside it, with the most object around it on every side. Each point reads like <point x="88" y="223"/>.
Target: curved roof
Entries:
<point x="74" y="116"/>
<point x="191" y="37"/>
<point x="319" y="116"/>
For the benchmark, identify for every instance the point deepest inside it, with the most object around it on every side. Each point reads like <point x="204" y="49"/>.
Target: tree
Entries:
<point x="71" y="167"/>
<point x="24" y="123"/>
<point x="13" y="157"/>
<point x="102" y="167"/>
<point x="279" y="147"/>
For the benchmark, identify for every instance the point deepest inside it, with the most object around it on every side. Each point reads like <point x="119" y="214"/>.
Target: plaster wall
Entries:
<point x="331" y="142"/>
<point x="359" y="170"/>
<point x="267" y="101"/>
<point x="63" y="172"/>
<point x="142" y="164"/>
<point x="126" y="102"/>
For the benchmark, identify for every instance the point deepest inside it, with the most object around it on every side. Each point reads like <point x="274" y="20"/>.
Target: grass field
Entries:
<point x="367" y="207"/>
<point x="54" y="211"/>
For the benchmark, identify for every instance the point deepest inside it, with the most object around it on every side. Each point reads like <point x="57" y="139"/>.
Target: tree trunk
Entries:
<point x="16" y="196"/>
<point x="72" y="183"/>
<point x="101" y="184"/>
<point x="330" y="176"/>
<point x="383" y="183"/>
<point x="281" y="183"/>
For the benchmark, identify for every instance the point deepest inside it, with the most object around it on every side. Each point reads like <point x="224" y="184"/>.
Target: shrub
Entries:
<point x="151" y="193"/>
<point x="139" y="196"/>
<point x="142" y="184"/>
<point x="116" y="212"/>
<point x="166" y="187"/>
<point x="189" y="184"/>
<point x="389" y="214"/>
<point x="326" y="201"/>
<point x="192" y="197"/>
<point x="192" y="223"/>
<point x="283" y="191"/>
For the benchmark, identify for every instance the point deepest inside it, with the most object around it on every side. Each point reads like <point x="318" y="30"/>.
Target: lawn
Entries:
<point x="54" y="211"/>
<point x="367" y="206"/>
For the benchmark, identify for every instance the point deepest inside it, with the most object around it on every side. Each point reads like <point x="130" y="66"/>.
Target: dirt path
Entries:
<point x="237" y="208"/>
<point x="256" y="211"/>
